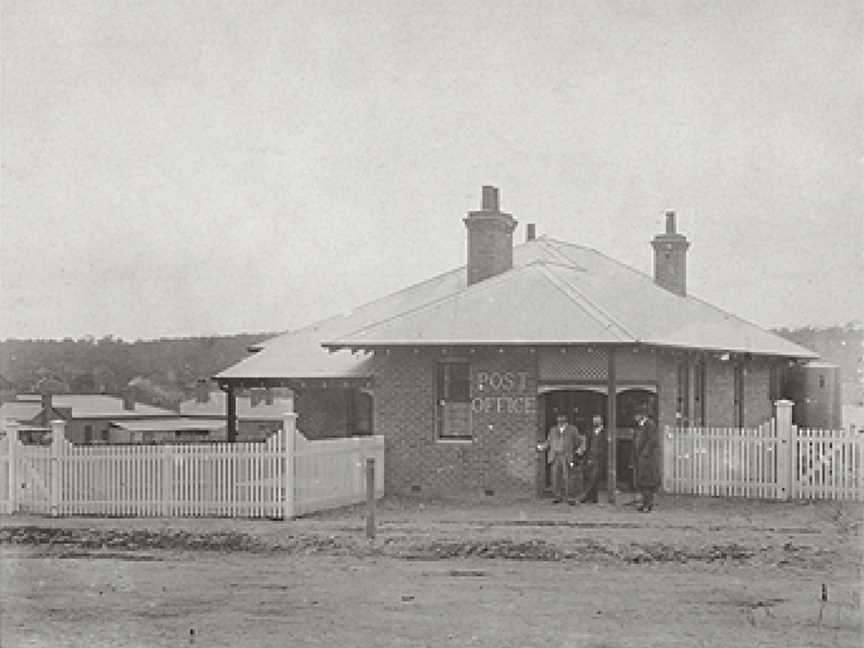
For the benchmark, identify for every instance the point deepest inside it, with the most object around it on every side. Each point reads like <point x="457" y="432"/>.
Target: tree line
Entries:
<point x="162" y="371"/>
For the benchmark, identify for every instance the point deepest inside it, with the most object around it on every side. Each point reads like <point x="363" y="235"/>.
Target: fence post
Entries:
<point x="668" y="466"/>
<point x="167" y="481"/>
<point x="58" y="437"/>
<point x="289" y="431"/>
<point x="370" y="498"/>
<point x="12" y="445"/>
<point x="787" y="469"/>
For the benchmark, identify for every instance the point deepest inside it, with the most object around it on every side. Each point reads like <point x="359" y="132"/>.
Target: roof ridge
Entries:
<point x="580" y="300"/>
<point x="547" y="245"/>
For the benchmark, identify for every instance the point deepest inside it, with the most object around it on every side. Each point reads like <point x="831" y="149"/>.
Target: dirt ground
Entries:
<point x="695" y="572"/>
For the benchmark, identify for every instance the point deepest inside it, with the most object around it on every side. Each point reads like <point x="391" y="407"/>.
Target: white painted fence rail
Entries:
<point x="282" y="477"/>
<point x="775" y="460"/>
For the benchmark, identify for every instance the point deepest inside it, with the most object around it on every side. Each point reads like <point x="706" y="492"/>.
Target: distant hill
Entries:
<point x="163" y="371"/>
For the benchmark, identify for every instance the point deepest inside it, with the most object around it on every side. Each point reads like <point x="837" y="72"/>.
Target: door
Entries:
<point x="579" y="406"/>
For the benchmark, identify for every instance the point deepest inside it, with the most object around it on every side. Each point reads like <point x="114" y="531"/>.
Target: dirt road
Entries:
<point x="699" y="573"/>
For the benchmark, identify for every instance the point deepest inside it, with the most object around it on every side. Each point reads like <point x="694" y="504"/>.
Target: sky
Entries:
<point x="205" y="167"/>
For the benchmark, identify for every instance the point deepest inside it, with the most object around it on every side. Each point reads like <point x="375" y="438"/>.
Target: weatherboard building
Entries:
<point x="463" y="373"/>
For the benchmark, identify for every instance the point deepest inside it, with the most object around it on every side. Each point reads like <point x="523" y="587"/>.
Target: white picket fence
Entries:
<point x="776" y="460"/>
<point x="280" y="478"/>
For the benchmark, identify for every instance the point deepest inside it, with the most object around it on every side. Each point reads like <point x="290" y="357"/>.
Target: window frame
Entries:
<point x="440" y="420"/>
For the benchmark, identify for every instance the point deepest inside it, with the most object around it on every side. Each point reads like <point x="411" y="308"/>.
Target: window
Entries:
<point x="738" y="394"/>
<point x="682" y="407"/>
<point x="699" y="394"/>
<point x="821" y="381"/>
<point x="453" y="400"/>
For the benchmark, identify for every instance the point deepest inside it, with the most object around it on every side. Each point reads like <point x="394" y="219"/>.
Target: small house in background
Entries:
<point x="89" y="417"/>
<point x="463" y="373"/>
<point x="168" y="430"/>
<point x="259" y="413"/>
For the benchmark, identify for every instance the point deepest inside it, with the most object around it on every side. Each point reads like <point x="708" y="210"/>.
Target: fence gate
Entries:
<point x="775" y="460"/>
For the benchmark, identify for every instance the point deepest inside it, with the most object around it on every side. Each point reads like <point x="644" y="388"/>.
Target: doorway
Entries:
<point x="581" y="405"/>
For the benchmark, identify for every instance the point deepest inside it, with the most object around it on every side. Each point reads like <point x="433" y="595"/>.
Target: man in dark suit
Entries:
<point x="564" y="446"/>
<point x="645" y="458"/>
<point x="594" y="460"/>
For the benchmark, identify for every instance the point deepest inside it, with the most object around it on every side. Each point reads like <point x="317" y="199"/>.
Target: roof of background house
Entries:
<point x="556" y="293"/>
<point x="215" y="407"/>
<point x="90" y="406"/>
<point x="19" y="410"/>
<point x="175" y="424"/>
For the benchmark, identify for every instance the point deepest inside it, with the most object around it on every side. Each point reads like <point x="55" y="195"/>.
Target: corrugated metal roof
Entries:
<point x="19" y="411"/>
<point x="215" y="407"/>
<point x="569" y="294"/>
<point x="168" y="425"/>
<point x="557" y="292"/>
<point x="299" y="354"/>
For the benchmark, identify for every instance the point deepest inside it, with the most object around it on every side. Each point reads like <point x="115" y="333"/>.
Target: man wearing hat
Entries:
<point x="594" y="462"/>
<point x="645" y="457"/>
<point x="564" y="446"/>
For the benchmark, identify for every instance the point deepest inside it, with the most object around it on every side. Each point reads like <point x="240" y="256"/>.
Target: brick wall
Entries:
<point x="720" y="397"/>
<point x="757" y="405"/>
<point x="501" y="457"/>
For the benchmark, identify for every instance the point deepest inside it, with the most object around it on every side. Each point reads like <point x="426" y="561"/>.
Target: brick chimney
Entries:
<point x="129" y="399"/>
<point x="670" y="258"/>
<point x="255" y="397"/>
<point x="490" y="238"/>
<point x="202" y="391"/>
<point x="47" y="409"/>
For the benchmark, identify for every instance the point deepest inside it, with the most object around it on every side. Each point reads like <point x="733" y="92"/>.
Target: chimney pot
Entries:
<point x="490" y="199"/>
<point x="670" y="222"/>
<point x="531" y="232"/>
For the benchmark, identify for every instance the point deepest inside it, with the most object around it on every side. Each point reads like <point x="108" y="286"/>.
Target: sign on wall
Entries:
<point x="503" y="392"/>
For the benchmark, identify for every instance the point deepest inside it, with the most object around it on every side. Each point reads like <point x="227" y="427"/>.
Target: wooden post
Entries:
<point x="167" y="499"/>
<point x="787" y="468"/>
<point x="230" y="414"/>
<point x="370" y="498"/>
<point x="289" y="429"/>
<point x="58" y="437"/>
<point x="666" y="437"/>
<point x="12" y="457"/>
<point x="611" y="428"/>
